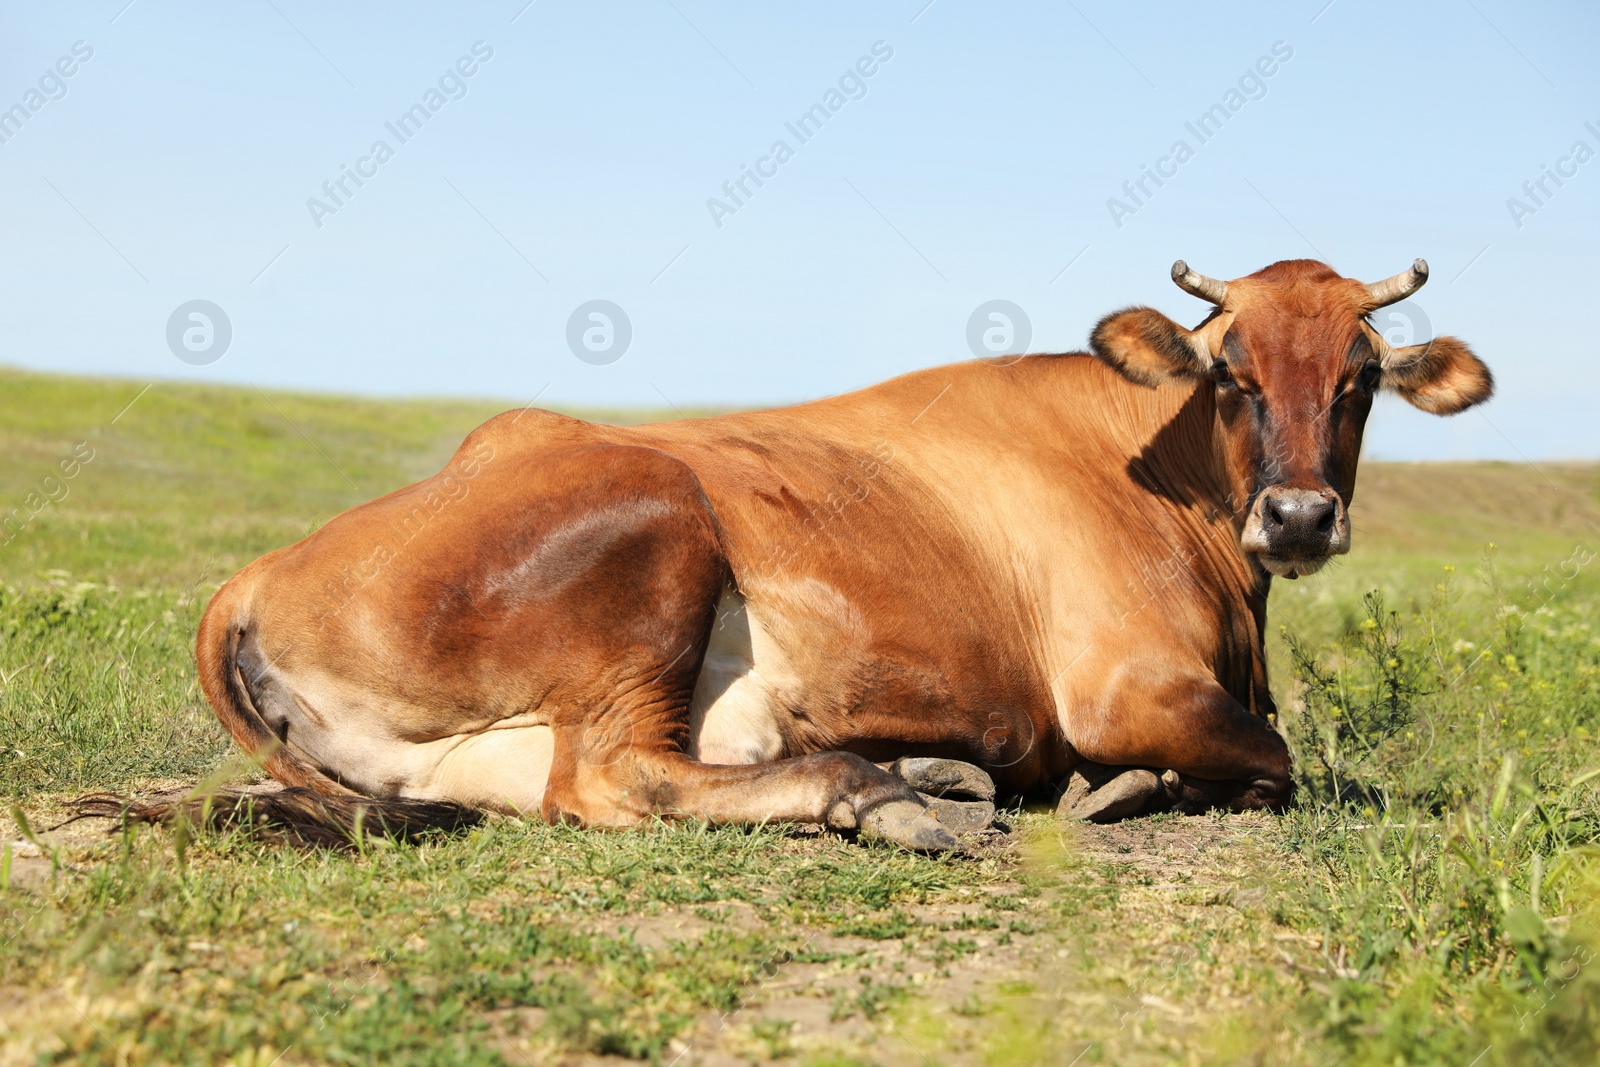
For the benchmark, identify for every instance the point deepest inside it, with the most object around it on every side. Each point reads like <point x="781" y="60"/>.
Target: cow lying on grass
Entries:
<point x="1053" y="568"/>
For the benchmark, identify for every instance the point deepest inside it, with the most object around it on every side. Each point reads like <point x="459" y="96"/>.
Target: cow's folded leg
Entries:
<point x="834" y="789"/>
<point x="837" y="789"/>
<point x="1198" y="795"/>
<point x="910" y="824"/>
<point x="1223" y="755"/>
<point x="1097" y="793"/>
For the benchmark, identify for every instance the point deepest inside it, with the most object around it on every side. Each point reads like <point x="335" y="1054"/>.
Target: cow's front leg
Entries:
<point x="1164" y="739"/>
<point x="836" y="789"/>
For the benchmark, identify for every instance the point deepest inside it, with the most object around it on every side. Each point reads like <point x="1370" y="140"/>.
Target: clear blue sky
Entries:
<point x="176" y="163"/>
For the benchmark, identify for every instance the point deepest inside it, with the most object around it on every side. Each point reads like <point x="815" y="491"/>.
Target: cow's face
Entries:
<point x="1294" y="363"/>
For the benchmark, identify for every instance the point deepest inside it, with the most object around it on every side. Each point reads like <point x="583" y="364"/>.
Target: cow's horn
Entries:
<point x="1402" y="285"/>
<point x="1194" y="282"/>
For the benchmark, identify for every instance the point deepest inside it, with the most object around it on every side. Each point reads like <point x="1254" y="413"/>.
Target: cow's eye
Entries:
<point x="1221" y="373"/>
<point x="1368" y="379"/>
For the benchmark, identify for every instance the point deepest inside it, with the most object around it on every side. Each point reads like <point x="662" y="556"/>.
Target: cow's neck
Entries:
<point x="1180" y="459"/>
<point x="1257" y="582"/>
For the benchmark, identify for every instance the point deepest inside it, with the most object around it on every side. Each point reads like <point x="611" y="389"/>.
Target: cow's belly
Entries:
<point x="746" y="682"/>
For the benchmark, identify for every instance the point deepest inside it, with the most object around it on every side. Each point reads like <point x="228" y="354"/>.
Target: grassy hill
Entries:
<point x="1457" y="507"/>
<point x="196" y="480"/>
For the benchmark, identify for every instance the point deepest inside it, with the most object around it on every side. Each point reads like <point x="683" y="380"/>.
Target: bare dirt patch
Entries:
<point x="1114" y="942"/>
<point x="1140" y="933"/>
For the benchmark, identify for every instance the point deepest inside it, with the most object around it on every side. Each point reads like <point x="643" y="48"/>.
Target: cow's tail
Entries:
<point x="294" y="814"/>
<point x="313" y="809"/>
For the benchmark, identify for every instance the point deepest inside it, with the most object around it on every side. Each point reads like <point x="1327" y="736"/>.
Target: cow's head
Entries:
<point x="1294" y="363"/>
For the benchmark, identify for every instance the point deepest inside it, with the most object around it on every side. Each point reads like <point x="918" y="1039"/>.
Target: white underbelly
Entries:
<point x="346" y="730"/>
<point x="738" y="708"/>
<point x="504" y="770"/>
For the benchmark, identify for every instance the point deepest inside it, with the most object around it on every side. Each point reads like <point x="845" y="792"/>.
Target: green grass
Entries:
<point x="1430" y="899"/>
<point x="515" y="938"/>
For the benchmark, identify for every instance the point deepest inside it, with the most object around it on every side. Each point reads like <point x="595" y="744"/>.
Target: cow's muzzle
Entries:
<point x="1294" y="531"/>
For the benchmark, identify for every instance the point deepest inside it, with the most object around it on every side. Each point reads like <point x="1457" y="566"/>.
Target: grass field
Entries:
<point x="1434" y="896"/>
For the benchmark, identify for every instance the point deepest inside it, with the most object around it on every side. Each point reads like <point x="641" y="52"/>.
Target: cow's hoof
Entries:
<point x="962" y="816"/>
<point x="909" y="825"/>
<point x="1096" y="793"/>
<point x="943" y="777"/>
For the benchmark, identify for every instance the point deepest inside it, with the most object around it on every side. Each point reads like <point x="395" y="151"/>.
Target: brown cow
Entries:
<point x="1029" y="565"/>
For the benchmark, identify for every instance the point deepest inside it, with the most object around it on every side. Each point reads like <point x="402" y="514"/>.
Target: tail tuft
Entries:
<point x="294" y="815"/>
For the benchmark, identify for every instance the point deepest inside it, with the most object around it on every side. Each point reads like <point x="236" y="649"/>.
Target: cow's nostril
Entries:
<point x="1299" y="522"/>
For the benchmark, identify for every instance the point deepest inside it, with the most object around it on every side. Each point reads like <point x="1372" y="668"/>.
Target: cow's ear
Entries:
<point x="1147" y="347"/>
<point x="1441" y="377"/>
